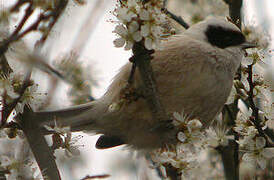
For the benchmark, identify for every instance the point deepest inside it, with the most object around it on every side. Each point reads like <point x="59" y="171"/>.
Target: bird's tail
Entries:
<point x="77" y="117"/>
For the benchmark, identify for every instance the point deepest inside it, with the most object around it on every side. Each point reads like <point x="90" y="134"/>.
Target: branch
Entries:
<point x="231" y="167"/>
<point x="142" y="56"/>
<point x="40" y="149"/>
<point x="4" y="66"/>
<point x="5" y="69"/>
<point x="27" y="14"/>
<point x="96" y="177"/>
<point x="3" y="174"/>
<point x="255" y="111"/>
<point x="42" y="17"/>
<point x="235" y="11"/>
<point x="18" y="4"/>
<point x="270" y="133"/>
<point x="31" y="128"/>
<point x="172" y="172"/>
<point x="178" y="19"/>
<point x="14" y="36"/>
<point x="230" y="153"/>
<point x="9" y="108"/>
<point x="141" y="59"/>
<point x="55" y="15"/>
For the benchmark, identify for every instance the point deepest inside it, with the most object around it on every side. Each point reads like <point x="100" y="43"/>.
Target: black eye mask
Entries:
<point x="222" y="37"/>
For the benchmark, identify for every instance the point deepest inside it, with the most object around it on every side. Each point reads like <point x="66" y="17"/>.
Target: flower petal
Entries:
<point x="260" y="142"/>
<point x="268" y="152"/>
<point x="129" y="45"/>
<point x="145" y="30"/>
<point x="119" y="42"/>
<point x="137" y="36"/>
<point x="262" y="162"/>
<point x="148" y="43"/>
<point x="133" y="27"/>
<point x="249" y="157"/>
<point x="181" y="137"/>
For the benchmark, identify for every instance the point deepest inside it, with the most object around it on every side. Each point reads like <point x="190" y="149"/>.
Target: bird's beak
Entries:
<point x="247" y="45"/>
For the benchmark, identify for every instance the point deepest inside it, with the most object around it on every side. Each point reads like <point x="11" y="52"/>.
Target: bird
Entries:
<point x="194" y="73"/>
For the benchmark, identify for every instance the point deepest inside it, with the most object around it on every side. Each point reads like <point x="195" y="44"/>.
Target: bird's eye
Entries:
<point x="222" y="37"/>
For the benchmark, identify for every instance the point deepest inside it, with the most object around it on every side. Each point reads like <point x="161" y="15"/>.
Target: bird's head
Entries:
<point x="219" y="33"/>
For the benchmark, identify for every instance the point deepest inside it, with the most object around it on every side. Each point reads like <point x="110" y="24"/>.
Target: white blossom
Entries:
<point x="144" y="15"/>
<point x="217" y="136"/>
<point x="119" y="42"/>
<point x="181" y="137"/>
<point x="7" y="90"/>
<point x="129" y="45"/>
<point x="139" y="21"/>
<point x="121" y="30"/>
<point x="57" y="128"/>
<point x="30" y="97"/>
<point x="137" y="36"/>
<point x="194" y="126"/>
<point x="17" y="161"/>
<point x="127" y="37"/>
<point x="148" y="43"/>
<point x="124" y="14"/>
<point x="259" y="154"/>
<point x="133" y="27"/>
<point x="179" y="118"/>
<point x="145" y="30"/>
<point x="132" y="4"/>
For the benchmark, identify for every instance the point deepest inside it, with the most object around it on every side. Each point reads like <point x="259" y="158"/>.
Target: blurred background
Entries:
<point x="87" y="31"/>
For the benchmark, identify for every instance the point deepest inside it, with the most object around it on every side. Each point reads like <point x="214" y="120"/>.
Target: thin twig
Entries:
<point x="8" y="109"/>
<point x="18" y="4"/>
<point x="255" y="110"/>
<point x="13" y="37"/>
<point x="5" y="44"/>
<point x="178" y="19"/>
<point x="235" y="11"/>
<point x="43" y="154"/>
<point x="28" y="13"/>
<point x="55" y="16"/>
<point x="42" y="17"/>
<point x="96" y="177"/>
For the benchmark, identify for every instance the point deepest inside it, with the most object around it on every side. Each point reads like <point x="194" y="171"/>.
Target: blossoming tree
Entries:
<point x="240" y="137"/>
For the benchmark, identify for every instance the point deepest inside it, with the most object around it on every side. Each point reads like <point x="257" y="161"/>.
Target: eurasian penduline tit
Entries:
<point x="194" y="72"/>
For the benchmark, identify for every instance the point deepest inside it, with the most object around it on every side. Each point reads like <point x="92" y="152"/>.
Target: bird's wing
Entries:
<point x="190" y="72"/>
